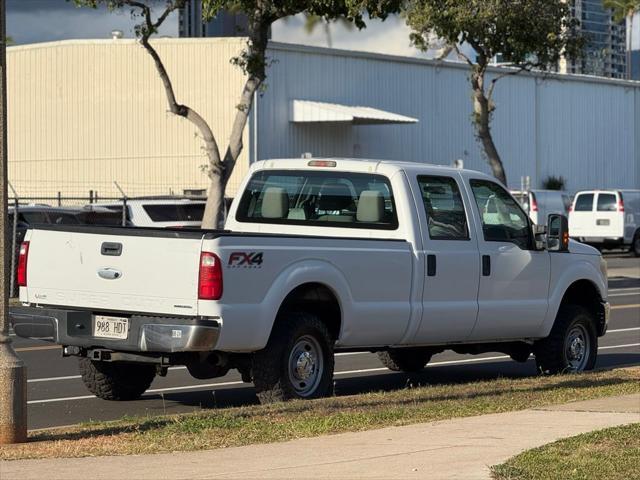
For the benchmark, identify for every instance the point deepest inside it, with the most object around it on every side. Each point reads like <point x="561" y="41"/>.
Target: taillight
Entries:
<point x="22" y="264"/>
<point x="620" y="203"/>
<point x="210" y="277"/>
<point x="534" y="204"/>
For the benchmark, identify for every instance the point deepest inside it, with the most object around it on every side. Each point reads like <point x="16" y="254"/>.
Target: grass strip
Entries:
<point x="220" y="428"/>
<point x="612" y="454"/>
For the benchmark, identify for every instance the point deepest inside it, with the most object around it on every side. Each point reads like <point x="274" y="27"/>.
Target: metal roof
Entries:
<point x="305" y="111"/>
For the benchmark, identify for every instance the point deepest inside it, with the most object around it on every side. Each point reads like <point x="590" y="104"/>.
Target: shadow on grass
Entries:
<point x="336" y="404"/>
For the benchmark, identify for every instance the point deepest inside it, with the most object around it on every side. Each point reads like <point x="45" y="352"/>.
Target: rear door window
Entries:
<point x="607" y="202"/>
<point x="443" y="205"/>
<point x="584" y="202"/>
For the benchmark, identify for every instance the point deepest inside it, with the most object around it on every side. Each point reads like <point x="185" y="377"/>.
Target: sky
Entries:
<point x="31" y="21"/>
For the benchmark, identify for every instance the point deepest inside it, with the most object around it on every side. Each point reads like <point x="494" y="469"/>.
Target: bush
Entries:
<point x="554" y="183"/>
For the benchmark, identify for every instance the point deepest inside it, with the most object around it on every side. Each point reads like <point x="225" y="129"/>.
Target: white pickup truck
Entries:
<point x="318" y="256"/>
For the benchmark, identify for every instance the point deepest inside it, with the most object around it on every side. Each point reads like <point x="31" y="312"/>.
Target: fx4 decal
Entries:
<point x="245" y="260"/>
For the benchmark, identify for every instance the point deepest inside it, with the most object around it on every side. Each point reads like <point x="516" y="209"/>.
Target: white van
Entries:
<point x="539" y="204"/>
<point x="607" y="218"/>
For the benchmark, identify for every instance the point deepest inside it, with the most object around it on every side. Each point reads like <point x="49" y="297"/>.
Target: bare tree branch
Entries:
<point x="509" y="73"/>
<point x="462" y="55"/>
<point x="176" y="108"/>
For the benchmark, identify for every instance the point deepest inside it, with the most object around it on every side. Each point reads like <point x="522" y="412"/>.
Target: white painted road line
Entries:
<point x="346" y="372"/>
<point x="620" y="346"/>
<point x="53" y="379"/>
<point x="633" y="329"/>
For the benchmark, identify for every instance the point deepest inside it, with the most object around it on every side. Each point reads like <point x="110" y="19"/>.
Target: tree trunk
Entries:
<point x="630" y="48"/>
<point x="482" y="110"/>
<point x="256" y="51"/>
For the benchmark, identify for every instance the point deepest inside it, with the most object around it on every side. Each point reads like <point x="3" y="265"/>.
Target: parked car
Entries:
<point x="607" y="219"/>
<point x="44" y="214"/>
<point x="317" y="256"/>
<point x="539" y="204"/>
<point x="160" y="212"/>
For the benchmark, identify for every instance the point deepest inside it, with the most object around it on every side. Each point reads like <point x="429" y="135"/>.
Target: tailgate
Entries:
<point x="127" y="270"/>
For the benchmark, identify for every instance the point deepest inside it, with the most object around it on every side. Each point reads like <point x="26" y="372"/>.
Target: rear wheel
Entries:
<point x="405" y="359"/>
<point x="297" y="361"/>
<point x="116" y="381"/>
<point x="572" y="345"/>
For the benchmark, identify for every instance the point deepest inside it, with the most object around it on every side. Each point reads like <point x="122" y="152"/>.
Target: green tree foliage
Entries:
<point x="527" y="34"/>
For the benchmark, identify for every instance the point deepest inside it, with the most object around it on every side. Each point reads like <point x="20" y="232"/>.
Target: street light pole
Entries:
<point x="13" y="374"/>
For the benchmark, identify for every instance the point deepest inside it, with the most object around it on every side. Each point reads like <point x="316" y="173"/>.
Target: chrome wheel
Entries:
<point x="306" y="365"/>
<point x="577" y="348"/>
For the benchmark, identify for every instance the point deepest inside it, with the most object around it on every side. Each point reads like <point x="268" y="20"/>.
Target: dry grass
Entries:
<point x="272" y="423"/>
<point x="612" y="454"/>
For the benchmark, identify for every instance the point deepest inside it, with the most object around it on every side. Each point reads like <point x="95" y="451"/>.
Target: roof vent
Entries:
<point x="116" y="34"/>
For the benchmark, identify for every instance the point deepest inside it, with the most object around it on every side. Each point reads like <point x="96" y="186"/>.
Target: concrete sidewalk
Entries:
<point x="453" y="449"/>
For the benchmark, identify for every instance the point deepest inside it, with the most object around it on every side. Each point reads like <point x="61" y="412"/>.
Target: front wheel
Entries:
<point x="297" y="361"/>
<point x="116" y="381"/>
<point x="572" y="345"/>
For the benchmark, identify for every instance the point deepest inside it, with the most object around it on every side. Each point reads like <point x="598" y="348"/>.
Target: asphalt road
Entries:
<point x="57" y="396"/>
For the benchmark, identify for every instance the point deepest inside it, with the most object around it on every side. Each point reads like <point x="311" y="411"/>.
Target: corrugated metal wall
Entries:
<point x="583" y="129"/>
<point x="83" y="114"/>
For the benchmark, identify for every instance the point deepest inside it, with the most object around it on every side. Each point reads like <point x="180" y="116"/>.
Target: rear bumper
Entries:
<point x="153" y="334"/>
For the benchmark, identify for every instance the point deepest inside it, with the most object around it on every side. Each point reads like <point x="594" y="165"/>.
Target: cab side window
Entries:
<point x="502" y="218"/>
<point x="443" y="205"/>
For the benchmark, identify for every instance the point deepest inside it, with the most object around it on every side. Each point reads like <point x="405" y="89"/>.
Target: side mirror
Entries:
<point x="539" y="233"/>
<point x="558" y="233"/>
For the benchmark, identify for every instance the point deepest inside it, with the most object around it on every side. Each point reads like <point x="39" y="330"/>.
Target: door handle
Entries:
<point x="111" y="249"/>
<point x="486" y="265"/>
<point x="431" y="265"/>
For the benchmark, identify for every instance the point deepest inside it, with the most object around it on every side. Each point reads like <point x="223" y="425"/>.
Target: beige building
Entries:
<point x="84" y="114"/>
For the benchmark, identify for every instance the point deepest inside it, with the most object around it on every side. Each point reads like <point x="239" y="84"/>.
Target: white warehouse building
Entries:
<point x="83" y="114"/>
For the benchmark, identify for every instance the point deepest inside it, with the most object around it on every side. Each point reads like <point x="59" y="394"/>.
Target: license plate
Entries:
<point x="602" y="222"/>
<point x="110" y="327"/>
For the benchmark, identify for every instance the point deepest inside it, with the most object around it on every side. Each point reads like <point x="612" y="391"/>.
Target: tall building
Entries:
<point x="605" y="52"/>
<point x="224" y="25"/>
<point x="635" y="64"/>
